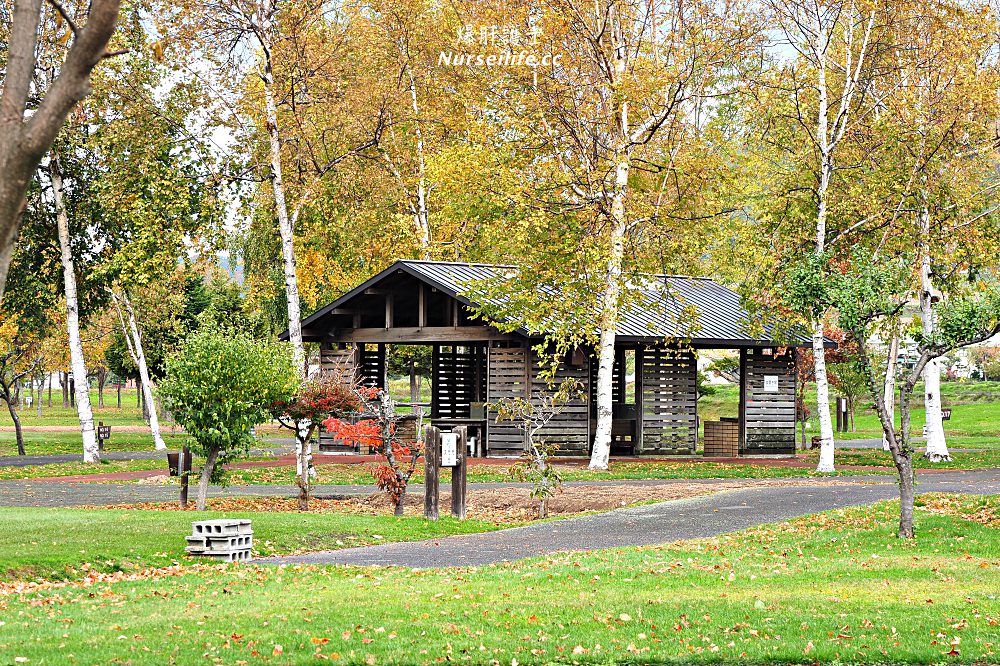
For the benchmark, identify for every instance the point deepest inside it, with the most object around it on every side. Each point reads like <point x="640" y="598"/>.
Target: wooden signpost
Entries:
<point x="103" y="434"/>
<point x="444" y="450"/>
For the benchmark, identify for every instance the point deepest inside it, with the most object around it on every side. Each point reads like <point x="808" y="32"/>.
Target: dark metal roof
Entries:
<point x="662" y="306"/>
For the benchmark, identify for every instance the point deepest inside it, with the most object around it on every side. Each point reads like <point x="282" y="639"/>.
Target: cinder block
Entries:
<point x="221" y="527"/>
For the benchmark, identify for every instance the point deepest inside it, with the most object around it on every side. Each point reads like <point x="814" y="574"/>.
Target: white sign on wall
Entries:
<point x="770" y="384"/>
<point x="449" y="449"/>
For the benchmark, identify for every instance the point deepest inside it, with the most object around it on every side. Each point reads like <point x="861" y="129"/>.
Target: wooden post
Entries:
<point x="458" y="474"/>
<point x="840" y="415"/>
<point x="432" y="459"/>
<point x="100" y="435"/>
<point x="185" y="470"/>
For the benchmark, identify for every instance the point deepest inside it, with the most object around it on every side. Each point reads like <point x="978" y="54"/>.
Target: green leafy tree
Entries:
<point x="219" y="386"/>
<point x="870" y="296"/>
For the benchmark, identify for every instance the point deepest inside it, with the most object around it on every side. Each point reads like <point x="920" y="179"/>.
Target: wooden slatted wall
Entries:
<point x="570" y="428"/>
<point x="371" y="369"/>
<point x="508" y="378"/>
<point x="457" y="379"/>
<point x="669" y="401"/>
<point x="343" y="361"/>
<point x="769" y="416"/>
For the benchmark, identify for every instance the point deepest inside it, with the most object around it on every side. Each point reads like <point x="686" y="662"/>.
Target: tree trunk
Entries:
<point x="823" y="187"/>
<point x="906" y="495"/>
<point x="822" y="402"/>
<point x="423" y="226"/>
<point x="91" y="454"/>
<point x="414" y="389"/>
<point x="206" y="477"/>
<point x="610" y="303"/>
<point x="400" y="505"/>
<point x="303" y="462"/>
<point x="903" y="458"/>
<point x="133" y="339"/>
<point x="38" y="395"/>
<point x="119" y="389"/>
<point x="18" y="435"/>
<point x="50" y="390"/>
<point x="102" y="378"/>
<point x="937" y="447"/>
<point x="889" y="383"/>
<point x="285" y="226"/>
<point x="64" y="384"/>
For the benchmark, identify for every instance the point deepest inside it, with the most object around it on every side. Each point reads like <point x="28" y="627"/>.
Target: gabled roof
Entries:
<point x="657" y="313"/>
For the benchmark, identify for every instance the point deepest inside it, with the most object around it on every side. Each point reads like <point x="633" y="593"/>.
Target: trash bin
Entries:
<point x="174" y="463"/>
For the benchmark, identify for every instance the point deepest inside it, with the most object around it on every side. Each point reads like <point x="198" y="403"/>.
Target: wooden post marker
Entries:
<point x="432" y="479"/>
<point x="447" y="449"/>
<point x="458" y="473"/>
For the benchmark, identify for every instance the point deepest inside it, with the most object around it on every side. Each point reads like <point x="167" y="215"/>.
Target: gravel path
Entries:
<point x="665" y="522"/>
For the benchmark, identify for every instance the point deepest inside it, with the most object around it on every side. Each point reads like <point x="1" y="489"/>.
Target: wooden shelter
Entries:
<point x="427" y="303"/>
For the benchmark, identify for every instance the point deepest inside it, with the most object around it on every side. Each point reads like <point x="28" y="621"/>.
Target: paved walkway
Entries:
<point x="664" y="522"/>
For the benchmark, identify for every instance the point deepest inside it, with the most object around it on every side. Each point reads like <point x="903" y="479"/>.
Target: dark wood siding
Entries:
<point x="508" y="378"/>
<point x="570" y="428"/>
<point x="769" y="416"/>
<point x="668" y="401"/>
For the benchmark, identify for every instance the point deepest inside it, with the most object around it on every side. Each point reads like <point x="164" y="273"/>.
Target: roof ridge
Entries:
<point x="454" y="263"/>
<point x="439" y="262"/>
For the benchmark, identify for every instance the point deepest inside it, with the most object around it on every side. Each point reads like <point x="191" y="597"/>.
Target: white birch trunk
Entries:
<point x="610" y="301"/>
<point x="937" y="446"/>
<point x="611" y="298"/>
<point x="133" y="342"/>
<point x="889" y="386"/>
<point x="823" y="401"/>
<point x="285" y="226"/>
<point x="422" y="223"/>
<point x="91" y="453"/>
<point x="826" y="172"/>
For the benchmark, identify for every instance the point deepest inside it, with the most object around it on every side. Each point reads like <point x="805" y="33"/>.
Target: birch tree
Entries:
<point x="91" y="454"/>
<point x="133" y="342"/>
<point x="259" y="38"/>
<point x="834" y="42"/>
<point x="617" y="107"/>
<point x="946" y="67"/>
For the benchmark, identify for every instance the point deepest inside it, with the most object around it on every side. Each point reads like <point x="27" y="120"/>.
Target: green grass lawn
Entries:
<point x="40" y="544"/>
<point x="986" y="459"/>
<point x="834" y="588"/>
<point x="54" y="443"/>
<point x="128" y="414"/>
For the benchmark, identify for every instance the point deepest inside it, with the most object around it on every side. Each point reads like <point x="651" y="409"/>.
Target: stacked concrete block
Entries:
<point x="226" y="539"/>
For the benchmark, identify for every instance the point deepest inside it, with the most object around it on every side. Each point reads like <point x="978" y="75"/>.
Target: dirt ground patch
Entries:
<point x="514" y="504"/>
<point x="506" y="505"/>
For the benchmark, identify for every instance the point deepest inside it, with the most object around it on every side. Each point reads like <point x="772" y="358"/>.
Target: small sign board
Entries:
<point x="771" y="384"/>
<point x="946" y="414"/>
<point x="449" y="449"/>
<point x="104" y="432"/>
